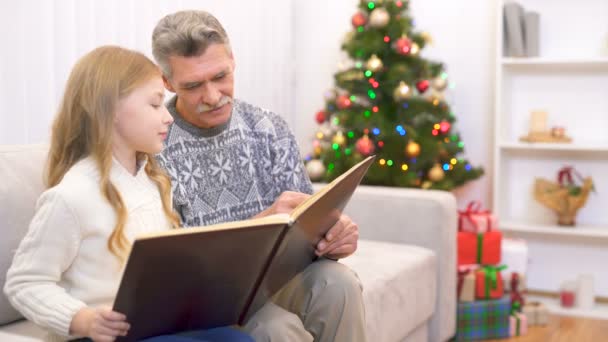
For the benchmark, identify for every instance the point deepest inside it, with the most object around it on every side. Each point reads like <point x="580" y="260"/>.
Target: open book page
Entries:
<point x="256" y="222"/>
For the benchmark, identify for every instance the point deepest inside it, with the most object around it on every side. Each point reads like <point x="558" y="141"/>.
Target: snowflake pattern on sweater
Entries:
<point x="234" y="171"/>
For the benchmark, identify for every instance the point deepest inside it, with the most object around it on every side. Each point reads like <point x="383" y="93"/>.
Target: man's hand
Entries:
<point x="341" y="239"/>
<point x="285" y="204"/>
<point x="99" y="324"/>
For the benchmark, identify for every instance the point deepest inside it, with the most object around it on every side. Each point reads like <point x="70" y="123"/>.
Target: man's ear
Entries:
<point x="168" y="85"/>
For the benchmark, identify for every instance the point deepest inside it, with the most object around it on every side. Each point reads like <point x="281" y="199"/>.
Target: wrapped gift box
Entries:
<point x="466" y="283"/>
<point x="483" y="319"/>
<point x="482" y="248"/>
<point x="514" y="254"/>
<point x="489" y="282"/>
<point x="518" y="324"/>
<point x="536" y="313"/>
<point x="475" y="220"/>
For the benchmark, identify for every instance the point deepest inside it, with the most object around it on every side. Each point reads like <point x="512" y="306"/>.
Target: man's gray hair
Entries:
<point x="185" y="34"/>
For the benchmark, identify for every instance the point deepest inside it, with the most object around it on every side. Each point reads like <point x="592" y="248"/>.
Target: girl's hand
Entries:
<point x="99" y="324"/>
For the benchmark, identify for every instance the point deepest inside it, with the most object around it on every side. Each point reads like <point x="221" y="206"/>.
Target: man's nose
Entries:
<point x="210" y="94"/>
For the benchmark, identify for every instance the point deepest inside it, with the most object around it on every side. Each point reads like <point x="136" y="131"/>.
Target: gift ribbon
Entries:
<point x="517" y="300"/>
<point x="566" y="173"/>
<point x="473" y="208"/>
<point x="491" y="278"/>
<point x="516" y="296"/>
<point x="517" y="325"/>
<point x="479" y="247"/>
<point x="515" y="282"/>
<point x="515" y="307"/>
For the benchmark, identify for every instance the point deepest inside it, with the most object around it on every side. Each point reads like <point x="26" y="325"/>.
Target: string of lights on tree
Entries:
<point x="389" y="101"/>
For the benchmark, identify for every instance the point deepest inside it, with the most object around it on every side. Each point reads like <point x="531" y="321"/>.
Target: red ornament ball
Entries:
<point x="359" y="19"/>
<point x="320" y="117"/>
<point x="423" y="85"/>
<point x="365" y="146"/>
<point x="343" y="102"/>
<point x="444" y="126"/>
<point x="403" y="46"/>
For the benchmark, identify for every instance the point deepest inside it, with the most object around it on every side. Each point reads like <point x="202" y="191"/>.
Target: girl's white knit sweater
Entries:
<point x="63" y="263"/>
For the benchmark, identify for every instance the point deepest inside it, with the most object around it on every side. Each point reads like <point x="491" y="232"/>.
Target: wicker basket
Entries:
<point x="559" y="199"/>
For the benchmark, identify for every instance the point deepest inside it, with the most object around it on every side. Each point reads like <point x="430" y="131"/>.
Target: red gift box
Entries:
<point x="489" y="282"/>
<point x="475" y="220"/>
<point x="482" y="248"/>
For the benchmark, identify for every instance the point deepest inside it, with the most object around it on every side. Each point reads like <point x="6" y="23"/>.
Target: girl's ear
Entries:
<point x="168" y="85"/>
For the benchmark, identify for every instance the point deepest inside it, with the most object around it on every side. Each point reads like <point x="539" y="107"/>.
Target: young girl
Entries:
<point x="104" y="188"/>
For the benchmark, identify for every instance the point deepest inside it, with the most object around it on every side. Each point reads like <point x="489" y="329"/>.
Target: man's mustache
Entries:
<point x="222" y="102"/>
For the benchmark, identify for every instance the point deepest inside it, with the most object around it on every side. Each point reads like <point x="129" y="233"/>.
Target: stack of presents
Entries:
<point x="492" y="280"/>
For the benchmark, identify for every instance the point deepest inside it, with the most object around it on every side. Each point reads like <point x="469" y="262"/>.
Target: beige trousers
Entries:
<point x="323" y="303"/>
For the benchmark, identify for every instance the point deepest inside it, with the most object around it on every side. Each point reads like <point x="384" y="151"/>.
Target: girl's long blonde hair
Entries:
<point x="84" y="124"/>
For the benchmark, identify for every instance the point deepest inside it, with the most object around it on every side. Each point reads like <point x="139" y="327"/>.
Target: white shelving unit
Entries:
<point x="593" y="232"/>
<point x="599" y="311"/>
<point x="578" y="147"/>
<point x="569" y="80"/>
<point x="539" y="62"/>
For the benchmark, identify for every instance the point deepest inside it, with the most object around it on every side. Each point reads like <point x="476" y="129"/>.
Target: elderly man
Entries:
<point x="230" y="160"/>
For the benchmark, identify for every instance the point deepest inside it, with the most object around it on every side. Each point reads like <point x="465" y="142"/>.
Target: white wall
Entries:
<point x="286" y="54"/>
<point x="43" y="39"/>
<point x="464" y="38"/>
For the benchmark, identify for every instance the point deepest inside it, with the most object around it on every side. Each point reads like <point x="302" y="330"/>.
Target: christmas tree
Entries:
<point x="389" y="102"/>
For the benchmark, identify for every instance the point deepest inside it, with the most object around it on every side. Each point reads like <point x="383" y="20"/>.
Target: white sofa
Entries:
<point x="406" y="257"/>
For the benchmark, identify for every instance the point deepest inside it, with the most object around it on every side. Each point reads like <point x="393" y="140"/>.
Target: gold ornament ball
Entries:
<point x="440" y="83"/>
<point x="339" y="139"/>
<point x="374" y="63"/>
<point x="412" y="149"/>
<point x="402" y="92"/>
<point x="379" y="18"/>
<point x="415" y="49"/>
<point x="317" y="151"/>
<point x="436" y="173"/>
<point x="315" y="169"/>
<point x="427" y="37"/>
<point x="348" y="37"/>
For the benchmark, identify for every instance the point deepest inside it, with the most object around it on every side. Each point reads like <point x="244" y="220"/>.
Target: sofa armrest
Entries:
<point x="425" y="218"/>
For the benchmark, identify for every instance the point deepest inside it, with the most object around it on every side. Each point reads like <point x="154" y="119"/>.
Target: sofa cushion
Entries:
<point x="21" y="183"/>
<point x="22" y="331"/>
<point x="399" y="287"/>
